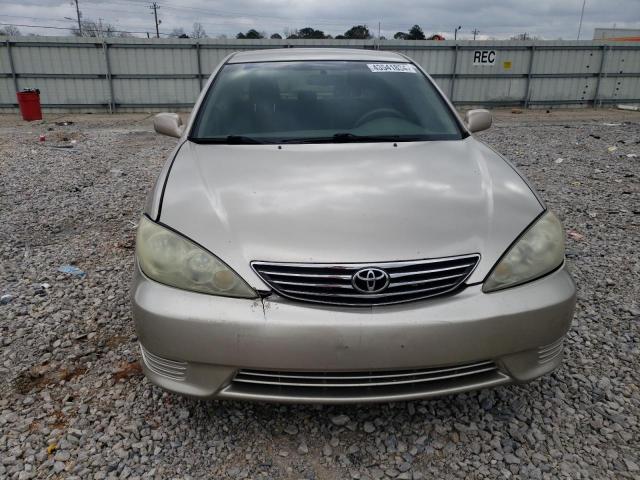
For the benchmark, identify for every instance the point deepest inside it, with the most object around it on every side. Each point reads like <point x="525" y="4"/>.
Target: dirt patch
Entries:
<point x="40" y="376"/>
<point x="127" y="370"/>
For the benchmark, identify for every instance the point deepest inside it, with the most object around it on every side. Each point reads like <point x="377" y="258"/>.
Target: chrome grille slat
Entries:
<point x="303" y="284"/>
<point x="331" y="283"/>
<point x="373" y="295"/>
<point x="435" y="270"/>
<point x="426" y="280"/>
<point x="360" y="384"/>
<point x="369" y="383"/>
<point x="310" y="275"/>
<point x="402" y="263"/>
<point x="361" y="375"/>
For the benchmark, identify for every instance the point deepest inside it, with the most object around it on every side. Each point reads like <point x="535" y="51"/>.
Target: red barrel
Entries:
<point x="29" y="102"/>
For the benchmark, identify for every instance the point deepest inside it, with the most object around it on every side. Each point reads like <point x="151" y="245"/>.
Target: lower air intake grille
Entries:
<point x="363" y="385"/>
<point x="367" y="284"/>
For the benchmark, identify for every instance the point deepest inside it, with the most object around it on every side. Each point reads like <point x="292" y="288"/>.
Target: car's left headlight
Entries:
<point x="537" y="252"/>
<point x="169" y="258"/>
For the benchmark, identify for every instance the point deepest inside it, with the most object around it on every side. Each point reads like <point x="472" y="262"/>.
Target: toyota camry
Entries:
<point x="329" y="229"/>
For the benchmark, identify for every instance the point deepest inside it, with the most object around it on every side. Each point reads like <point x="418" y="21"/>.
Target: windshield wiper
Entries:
<point x="230" y="140"/>
<point x="351" y="137"/>
<point x="346" y="137"/>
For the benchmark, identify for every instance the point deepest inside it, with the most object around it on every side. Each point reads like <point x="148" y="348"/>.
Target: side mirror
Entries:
<point x="168" y="124"/>
<point x="478" y="120"/>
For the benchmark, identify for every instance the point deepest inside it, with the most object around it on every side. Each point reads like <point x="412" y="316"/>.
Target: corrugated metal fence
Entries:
<point x="153" y="74"/>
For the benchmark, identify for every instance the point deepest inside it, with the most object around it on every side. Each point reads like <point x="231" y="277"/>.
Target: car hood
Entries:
<point x="351" y="202"/>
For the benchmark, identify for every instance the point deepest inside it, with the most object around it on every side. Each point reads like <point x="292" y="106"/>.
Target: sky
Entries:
<point x="499" y="19"/>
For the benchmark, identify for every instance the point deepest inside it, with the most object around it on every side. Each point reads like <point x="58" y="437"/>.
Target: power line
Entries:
<point x="64" y="28"/>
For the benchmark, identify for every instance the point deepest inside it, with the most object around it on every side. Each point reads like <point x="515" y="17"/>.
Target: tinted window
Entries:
<point x="289" y="101"/>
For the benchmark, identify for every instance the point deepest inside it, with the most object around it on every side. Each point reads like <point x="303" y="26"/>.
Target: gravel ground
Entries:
<point x="74" y="404"/>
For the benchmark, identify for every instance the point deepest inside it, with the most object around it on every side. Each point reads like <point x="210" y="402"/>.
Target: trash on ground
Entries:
<point x="71" y="270"/>
<point x="63" y="124"/>
<point x="42" y="138"/>
<point x="559" y="160"/>
<point x="631" y="155"/>
<point x="575" y="235"/>
<point x="634" y="108"/>
<point x="612" y="124"/>
<point x="612" y="149"/>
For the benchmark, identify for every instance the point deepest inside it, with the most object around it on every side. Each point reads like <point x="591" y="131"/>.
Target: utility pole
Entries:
<point x="155" y="8"/>
<point x="455" y="32"/>
<point x="79" y="15"/>
<point x="475" y="32"/>
<point x="581" y="15"/>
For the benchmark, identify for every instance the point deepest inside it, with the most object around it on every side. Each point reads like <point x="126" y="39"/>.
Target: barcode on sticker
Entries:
<point x="391" y="67"/>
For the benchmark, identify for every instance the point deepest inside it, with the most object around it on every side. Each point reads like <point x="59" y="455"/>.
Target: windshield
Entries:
<point x="323" y="101"/>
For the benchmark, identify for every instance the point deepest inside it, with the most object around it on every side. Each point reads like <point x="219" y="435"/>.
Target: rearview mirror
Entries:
<point x="478" y="120"/>
<point x="168" y="124"/>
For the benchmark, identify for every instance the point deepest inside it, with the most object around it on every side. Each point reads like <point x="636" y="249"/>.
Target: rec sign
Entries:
<point x="484" y="57"/>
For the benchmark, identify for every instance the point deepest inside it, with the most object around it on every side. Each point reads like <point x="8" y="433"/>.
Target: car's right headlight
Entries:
<point x="537" y="252"/>
<point x="169" y="258"/>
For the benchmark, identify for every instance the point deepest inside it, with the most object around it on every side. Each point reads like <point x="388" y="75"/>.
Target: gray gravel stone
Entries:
<point x="339" y="420"/>
<point x="369" y="427"/>
<point x="67" y="344"/>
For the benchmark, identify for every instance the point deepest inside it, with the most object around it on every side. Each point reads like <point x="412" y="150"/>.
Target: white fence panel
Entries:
<point x="134" y="74"/>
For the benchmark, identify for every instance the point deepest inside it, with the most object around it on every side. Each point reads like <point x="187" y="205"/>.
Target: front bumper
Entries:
<point x="196" y="344"/>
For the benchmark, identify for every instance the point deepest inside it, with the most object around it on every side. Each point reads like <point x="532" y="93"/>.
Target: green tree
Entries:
<point x="358" y="32"/>
<point x="416" y="33"/>
<point x="251" y="35"/>
<point x="309" y="32"/>
<point x="276" y="36"/>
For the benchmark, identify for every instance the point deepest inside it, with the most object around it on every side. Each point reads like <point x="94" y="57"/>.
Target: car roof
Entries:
<point x="302" y="54"/>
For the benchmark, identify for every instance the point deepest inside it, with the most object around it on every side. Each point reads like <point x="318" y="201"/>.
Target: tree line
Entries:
<point x="99" y="28"/>
<point x="357" y="32"/>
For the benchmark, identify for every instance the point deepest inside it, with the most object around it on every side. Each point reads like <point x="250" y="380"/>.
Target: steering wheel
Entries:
<point x="377" y="113"/>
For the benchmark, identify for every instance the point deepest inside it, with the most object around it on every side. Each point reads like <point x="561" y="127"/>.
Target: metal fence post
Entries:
<point x="453" y="74"/>
<point x="596" y="96"/>
<point x="199" y="60"/>
<point x="527" y="92"/>
<point x="112" y="103"/>
<point x="13" y="68"/>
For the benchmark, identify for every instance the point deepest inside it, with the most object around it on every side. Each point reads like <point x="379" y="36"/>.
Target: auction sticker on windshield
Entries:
<point x="391" y="67"/>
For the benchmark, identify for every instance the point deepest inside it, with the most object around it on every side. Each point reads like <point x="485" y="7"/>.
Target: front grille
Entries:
<point x="363" y="385"/>
<point x="333" y="283"/>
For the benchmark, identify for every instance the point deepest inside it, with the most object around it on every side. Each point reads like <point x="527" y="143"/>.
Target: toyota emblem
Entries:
<point x="370" y="280"/>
